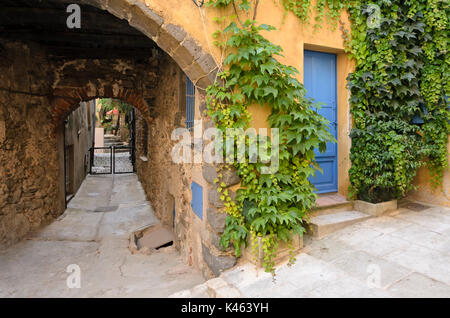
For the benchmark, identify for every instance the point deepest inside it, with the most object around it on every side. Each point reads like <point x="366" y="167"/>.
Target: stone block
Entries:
<point x="145" y="20"/>
<point x="229" y="177"/>
<point x="322" y="225"/>
<point x="214" y="197"/>
<point x="192" y="47"/>
<point x="217" y="263"/>
<point x="119" y="8"/>
<point x="182" y="56"/>
<point x="216" y="219"/>
<point x="219" y="288"/>
<point x="283" y="251"/>
<point x="227" y="292"/>
<point x="170" y="37"/>
<point x="194" y="72"/>
<point x="375" y="209"/>
<point x="203" y="83"/>
<point x="216" y="283"/>
<point x="209" y="173"/>
<point x="207" y="63"/>
<point x="215" y="241"/>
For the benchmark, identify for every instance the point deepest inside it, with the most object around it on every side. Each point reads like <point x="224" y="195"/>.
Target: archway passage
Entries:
<point x="124" y="51"/>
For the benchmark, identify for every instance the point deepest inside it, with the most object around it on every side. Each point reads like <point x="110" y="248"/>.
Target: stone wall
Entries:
<point x="41" y="93"/>
<point x="79" y="134"/>
<point x="168" y="184"/>
<point x="29" y="170"/>
<point x="36" y="96"/>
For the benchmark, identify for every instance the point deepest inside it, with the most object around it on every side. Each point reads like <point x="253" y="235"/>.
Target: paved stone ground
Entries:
<point x="98" y="243"/>
<point x="403" y="254"/>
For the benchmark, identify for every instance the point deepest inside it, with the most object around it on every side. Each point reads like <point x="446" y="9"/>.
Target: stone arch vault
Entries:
<point x="197" y="64"/>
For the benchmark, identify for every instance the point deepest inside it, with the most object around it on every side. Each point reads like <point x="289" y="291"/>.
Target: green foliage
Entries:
<point x="329" y="9"/>
<point x="108" y="104"/>
<point x="401" y="69"/>
<point x="270" y="206"/>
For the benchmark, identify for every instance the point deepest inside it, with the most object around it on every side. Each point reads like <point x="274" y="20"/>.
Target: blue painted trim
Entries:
<point x="173" y="217"/>
<point x="197" y="199"/>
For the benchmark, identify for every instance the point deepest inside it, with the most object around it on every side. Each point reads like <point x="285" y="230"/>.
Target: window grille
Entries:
<point x="190" y="103"/>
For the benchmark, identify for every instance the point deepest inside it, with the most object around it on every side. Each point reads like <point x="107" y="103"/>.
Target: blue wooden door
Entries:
<point x="320" y="83"/>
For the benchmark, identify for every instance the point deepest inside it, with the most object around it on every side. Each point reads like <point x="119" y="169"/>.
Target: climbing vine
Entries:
<point x="401" y="74"/>
<point x="330" y="10"/>
<point x="400" y="81"/>
<point x="273" y="206"/>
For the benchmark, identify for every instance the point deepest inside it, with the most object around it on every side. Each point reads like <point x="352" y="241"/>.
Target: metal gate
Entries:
<point x="111" y="160"/>
<point x="122" y="159"/>
<point x="101" y="160"/>
<point x="115" y="159"/>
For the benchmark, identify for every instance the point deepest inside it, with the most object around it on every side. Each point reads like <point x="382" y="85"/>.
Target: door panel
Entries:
<point x="320" y="83"/>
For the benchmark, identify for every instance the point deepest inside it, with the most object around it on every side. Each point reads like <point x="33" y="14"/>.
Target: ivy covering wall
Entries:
<point x="401" y="74"/>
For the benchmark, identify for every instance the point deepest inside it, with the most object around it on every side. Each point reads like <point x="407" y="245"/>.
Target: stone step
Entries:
<point x="116" y="144"/>
<point x="332" y="208"/>
<point x="322" y="225"/>
<point x="329" y="203"/>
<point x="213" y="288"/>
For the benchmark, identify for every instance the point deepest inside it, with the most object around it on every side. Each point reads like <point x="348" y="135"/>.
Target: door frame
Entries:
<point x="345" y="66"/>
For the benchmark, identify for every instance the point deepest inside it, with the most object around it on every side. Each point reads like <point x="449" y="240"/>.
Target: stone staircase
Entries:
<point x="333" y="213"/>
<point x="111" y="140"/>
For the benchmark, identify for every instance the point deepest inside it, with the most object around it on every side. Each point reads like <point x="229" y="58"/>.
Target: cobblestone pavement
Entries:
<point x="97" y="242"/>
<point x="102" y="162"/>
<point x="405" y="253"/>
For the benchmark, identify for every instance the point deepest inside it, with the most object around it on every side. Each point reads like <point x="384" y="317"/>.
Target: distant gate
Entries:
<point x="111" y="160"/>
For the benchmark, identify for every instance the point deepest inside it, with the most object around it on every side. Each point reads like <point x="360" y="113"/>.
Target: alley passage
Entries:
<point x="93" y="234"/>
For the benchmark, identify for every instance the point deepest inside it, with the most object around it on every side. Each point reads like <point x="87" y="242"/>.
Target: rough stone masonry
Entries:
<point x="42" y="84"/>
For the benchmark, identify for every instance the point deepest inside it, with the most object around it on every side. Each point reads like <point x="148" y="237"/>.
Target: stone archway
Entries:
<point x="66" y="100"/>
<point x="60" y="84"/>
<point x="195" y="62"/>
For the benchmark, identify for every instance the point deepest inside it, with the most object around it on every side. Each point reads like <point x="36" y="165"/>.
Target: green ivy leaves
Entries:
<point x="270" y="206"/>
<point x="400" y="69"/>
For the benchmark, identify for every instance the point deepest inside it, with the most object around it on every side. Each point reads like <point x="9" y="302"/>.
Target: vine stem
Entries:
<point x="237" y="14"/>
<point x="256" y="10"/>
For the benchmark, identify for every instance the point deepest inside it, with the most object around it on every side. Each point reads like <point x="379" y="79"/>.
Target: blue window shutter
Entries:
<point x="197" y="199"/>
<point x="417" y="119"/>
<point x="190" y="103"/>
<point x="173" y="219"/>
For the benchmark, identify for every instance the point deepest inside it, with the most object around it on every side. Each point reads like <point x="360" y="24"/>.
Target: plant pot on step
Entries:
<point x="375" y="209"/>
<point x="283" y="251"/>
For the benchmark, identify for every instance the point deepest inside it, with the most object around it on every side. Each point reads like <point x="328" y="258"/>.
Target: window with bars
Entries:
<point x="190" y="103"/>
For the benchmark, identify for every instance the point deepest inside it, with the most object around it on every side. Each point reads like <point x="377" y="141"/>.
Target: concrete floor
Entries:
<point x="403" y="254"/>
<point x="98" y="243"/>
